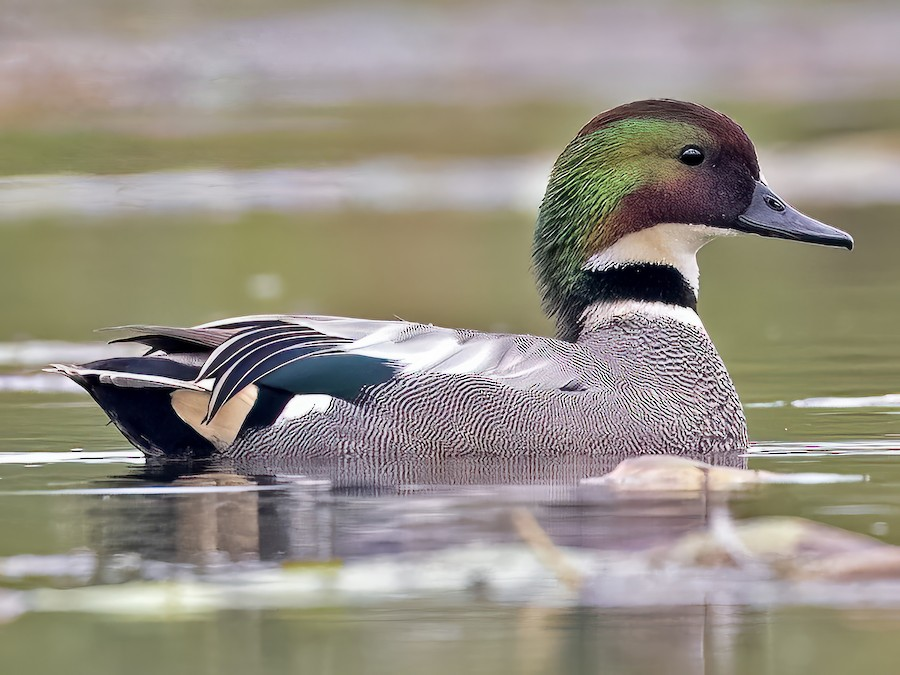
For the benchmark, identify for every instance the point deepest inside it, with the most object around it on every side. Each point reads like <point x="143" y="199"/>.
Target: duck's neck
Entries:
<point x="652" y="272"/>
<point x="673" y="245"/>
<point x="650" y="289"/>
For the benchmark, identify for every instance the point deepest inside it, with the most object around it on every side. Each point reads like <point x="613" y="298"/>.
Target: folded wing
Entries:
<point x="340" y="356"/>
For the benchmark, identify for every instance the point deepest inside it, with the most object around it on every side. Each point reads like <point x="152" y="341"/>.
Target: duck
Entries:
<point x="631" y="370"/>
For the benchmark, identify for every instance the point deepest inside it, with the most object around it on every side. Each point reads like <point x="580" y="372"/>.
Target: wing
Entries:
<point x="341" y="356"/>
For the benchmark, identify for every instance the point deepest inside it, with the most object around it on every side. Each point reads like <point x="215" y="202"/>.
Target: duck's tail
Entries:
<point x="150" y="400"/>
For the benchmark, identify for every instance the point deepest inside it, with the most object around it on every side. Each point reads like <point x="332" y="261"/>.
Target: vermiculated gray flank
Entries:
<point x="634" y="385"/>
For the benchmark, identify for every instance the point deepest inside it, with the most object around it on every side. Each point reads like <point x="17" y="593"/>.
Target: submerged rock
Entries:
<point x="671" y="473"/>
<point x="786" y="547"/>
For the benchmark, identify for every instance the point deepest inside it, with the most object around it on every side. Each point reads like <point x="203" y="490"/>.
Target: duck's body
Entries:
<point x="632" y="371"/>
<point x="658" y="380"/>
<point x="549" y="411"/>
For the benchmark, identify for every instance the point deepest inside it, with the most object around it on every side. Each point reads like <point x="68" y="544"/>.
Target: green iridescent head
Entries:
<point x="643" y="164"/>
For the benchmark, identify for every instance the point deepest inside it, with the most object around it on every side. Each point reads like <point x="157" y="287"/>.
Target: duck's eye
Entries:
<point x="691" y="155"/>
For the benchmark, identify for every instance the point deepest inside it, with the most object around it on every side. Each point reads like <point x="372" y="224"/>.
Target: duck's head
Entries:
<point x="634" y="196"/>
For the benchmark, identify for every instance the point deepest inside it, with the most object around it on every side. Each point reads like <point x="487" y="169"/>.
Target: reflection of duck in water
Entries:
<point x="629" y="202"/>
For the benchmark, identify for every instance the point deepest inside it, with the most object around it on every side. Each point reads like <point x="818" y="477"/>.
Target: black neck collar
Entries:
<point x="642" y="282"/>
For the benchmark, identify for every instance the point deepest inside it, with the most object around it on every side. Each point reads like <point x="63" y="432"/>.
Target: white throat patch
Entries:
<point x="674" y="244"/>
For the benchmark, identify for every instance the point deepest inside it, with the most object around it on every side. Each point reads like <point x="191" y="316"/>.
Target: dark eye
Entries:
<point x="691" y="155"/>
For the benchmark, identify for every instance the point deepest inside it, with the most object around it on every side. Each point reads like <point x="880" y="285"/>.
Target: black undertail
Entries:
<point x="145" y="415"/>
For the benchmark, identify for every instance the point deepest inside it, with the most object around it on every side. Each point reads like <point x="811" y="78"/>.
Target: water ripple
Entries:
<point x="821" y="448"/>
<point x="73" y="456"/>
<point x="882" y="401"/>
